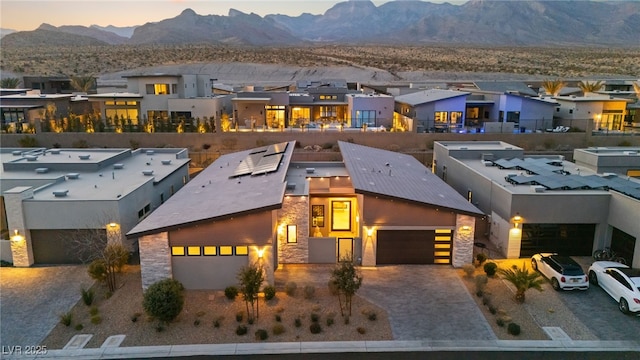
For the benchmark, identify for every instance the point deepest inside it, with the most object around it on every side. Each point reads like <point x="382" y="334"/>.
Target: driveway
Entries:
<point x="33" y="298"/>
<point x="422" y="301"/>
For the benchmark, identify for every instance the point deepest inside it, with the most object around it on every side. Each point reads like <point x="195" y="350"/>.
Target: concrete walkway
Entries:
<point x="32" y="299"/>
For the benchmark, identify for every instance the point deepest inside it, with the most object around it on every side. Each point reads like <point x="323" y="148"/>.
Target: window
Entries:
<point x="193" y="250"/>
<point x="210" y="251"/>
<point x="144" y="211"/>
<point x="365" y="117"/>
<point x="177" y="251"/>
<point x="157" y="89"/>
<point x="328" y="97"/>
<point x="242" y="250"/>
<point x="174" y="88"/>
<point x="328" y="111"/>
<point x="341" y="215"/>
<point x="292" y="234"/>
<point x="226" y="250"/>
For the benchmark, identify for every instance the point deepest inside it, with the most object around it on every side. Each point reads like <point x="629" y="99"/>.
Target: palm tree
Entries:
<point x="523" y="280"/>
<point x="590" y="87"/>
<point x="9" y="83"/>
<point x="636" y="88"/>
<point x="83" y="83"/>
<point x="553" y="87"/>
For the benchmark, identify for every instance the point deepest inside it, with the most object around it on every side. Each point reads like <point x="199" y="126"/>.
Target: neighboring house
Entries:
<point x="48" y="84"/>
<point x="372" y="110"/>
<point x="597" y="112"/>
<point x="50" y="194"/>
<point x="619" y="160"/>
<point x="432" y="110"/>
<point x="261" y="109"/>
<point x="375" y="207"/>
<point x="511" y="87"/>
<point x="543" y="203"/>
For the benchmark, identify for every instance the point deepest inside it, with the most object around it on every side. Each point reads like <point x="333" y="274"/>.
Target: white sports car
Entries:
<point x="563" y="272"/>
<point x="621" y="282"/>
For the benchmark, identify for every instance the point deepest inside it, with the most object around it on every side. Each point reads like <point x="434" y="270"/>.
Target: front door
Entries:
<point x="345" y="249"/>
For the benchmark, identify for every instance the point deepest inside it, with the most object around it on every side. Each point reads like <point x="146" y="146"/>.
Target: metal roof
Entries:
<point x="215" y="194"/>
<point x="400" y="176"/>
<point x="505" y="86"/>
<point x="427" y="96"/>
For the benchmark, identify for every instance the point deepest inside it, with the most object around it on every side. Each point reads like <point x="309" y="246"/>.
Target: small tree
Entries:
<point x="347" y="281"/>
<point x="523" y="280"/>
<point x="9" y="83"/>
<point x="164" y="300"/>
<point x="251" y="278"/>
<point x="225" y="123"/>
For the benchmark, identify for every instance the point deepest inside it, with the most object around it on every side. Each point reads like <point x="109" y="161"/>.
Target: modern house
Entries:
<point x="432" y="110"/>
<point x="543" y="203"/>
<point x="375" y="207"/>
<point x="597" y="112"/>
<point x="618" y="160"/>
<point x="51" y="195"/>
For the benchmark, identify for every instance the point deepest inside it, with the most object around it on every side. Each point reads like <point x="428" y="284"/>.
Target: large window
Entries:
<point x="300" y="116"/>
<point x="341" y="215"/>
<point x="275" y="115"/>
<point x="158" y="89"/>
<point x="328" y="111"/>
<point x="122" y="110"/>
<point x="328" y="97"/>
<point x="365" y="117"/>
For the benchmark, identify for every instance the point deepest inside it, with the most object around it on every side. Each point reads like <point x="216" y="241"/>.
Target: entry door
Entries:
<point x="345" y="249"/>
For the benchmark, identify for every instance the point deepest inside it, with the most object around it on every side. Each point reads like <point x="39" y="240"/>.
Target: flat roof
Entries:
<point x="390" y="174"/>
<point x="96" y="178"/>
<point x="427" y="96"/>
<point x="299" y="171"/>
<point x="115" y="95"/>
<point x="612" y="151"/>
<point x="505" y="86"/>
<point x="478" y="145"/>
<point x="218" y="193"/>
<point x="588" y="98"/>
<point x="36" y="96"/>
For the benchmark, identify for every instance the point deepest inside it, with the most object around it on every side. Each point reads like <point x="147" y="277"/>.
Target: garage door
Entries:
<point x="57" y="246"/>
<point x="208" y="267"/>
<point x="566" y="239"/>
<point x="413" y="247"/>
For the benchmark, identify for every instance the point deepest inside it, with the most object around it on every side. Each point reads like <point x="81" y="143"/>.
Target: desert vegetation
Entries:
<point x="534" y="61"/>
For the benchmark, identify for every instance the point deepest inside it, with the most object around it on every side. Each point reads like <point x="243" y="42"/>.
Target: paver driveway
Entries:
<point x="422" y="301"/>
<point x="31" y="299"/>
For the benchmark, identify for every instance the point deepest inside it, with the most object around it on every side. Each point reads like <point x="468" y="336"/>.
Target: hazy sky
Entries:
<point x="29" y="14"/>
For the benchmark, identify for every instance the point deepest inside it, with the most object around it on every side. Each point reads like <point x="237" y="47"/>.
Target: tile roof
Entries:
<point x="387" y="173"/>
<point x="215" y="193"/>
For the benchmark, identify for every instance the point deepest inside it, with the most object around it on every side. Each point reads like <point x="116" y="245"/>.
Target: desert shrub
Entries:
<point x="481" y="258"/>
<point x="95" y="320"/>
<point x="93" y="310"/>
<point x="87" y="296"/>
<point x="492" y="309"/>
<point x="486" y="300"/>
<point x="277" y="329"/>
<point x="217" y="322"/>
<point x="278" y="318"/>
<point x="80" y="144"/>
<point x="315" y="317"/>
<point x="164" y="300"/>
<point x="346" y="320"/>
<point x="333" y="288"/>
<point x="250" y="321"/>
<point x="490" y="268"/>
<point x="201" y="313"/>
<point x="135" y="317"/>
<point x="66" y="318"/>
<point x="330" y="321"/>
<point x="269" y="292"/>
<point x="315" y="328"/>
<point x="372" y="316"/>
<point x="159" y="327"/>
<point x="79" y="327"/>
<point x="481" y="282"/>
<point x="297" y="322"/>
<point x="241" y="330"/>
<point x="500" y="322"/>
<point x="196" y="322"/>
<point x="28" y="141"/>
<point x="624" y="143"/>
<point x="290" y="288"/>
<point x="4" y="263"/>
<point x="308" y="291"/>
<point x="206" y="146"/>
<point x="327" y="145"/>
<point x="479" y="293"/>
<point x="231" y="292"/>
<point x="361" y="330"/>
<point x="261" y="334"/>
<point x="239" y="316"/>
<point x="469" y="269"/>
<point x="513" y="329"/>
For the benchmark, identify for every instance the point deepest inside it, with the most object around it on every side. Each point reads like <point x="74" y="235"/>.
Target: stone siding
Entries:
<point x="295" y="211"/>
<point x="155" y="258"/>
<point x="463" y="240"/>
<point x="22" y="250"/>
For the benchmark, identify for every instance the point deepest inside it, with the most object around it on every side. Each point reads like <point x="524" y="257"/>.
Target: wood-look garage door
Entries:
<point x="56" y="246"/>
<point x="405" y="247"/>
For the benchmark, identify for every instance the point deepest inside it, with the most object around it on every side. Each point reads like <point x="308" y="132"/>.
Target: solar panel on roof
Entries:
<point x="259" y="150"/>
<point x="247" y="165"/>
<point x="267" y="164"/>
<point x="276" y="149"/>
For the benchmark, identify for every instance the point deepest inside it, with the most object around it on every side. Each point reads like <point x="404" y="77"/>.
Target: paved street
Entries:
<point x="32" y="299"/>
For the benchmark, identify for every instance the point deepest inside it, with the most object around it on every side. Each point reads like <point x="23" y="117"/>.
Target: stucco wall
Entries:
<point x="379" y="211"/>
<point x="621" y="215"/>
<point x="251" y="229"/>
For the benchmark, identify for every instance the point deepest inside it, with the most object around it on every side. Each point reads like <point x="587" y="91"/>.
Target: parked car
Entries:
<point x="563" y="272"/>
<point x="621" y="282"/>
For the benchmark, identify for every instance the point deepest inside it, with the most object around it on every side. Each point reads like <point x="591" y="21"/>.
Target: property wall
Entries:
<point x="294" y="211"/>
<point x="622" y="209"/>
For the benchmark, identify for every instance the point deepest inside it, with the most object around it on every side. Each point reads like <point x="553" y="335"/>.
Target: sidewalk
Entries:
<point x="331" y="347"/>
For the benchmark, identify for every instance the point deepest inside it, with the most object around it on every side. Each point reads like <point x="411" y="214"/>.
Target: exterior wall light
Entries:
<point x="517" y="220"/>
<point x="260" y="253"/>
<point x="370" y="232"/>
<point x="16" y="236"/>
<point x="112" y="225"/>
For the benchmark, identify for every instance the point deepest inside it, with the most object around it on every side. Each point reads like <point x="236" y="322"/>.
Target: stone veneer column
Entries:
<point x="155" y="258"/>
<point x="463" y="240"/>
<point x="21" y="250"/>
<point x="294" y="211"/>
<point x="369" y="246"/>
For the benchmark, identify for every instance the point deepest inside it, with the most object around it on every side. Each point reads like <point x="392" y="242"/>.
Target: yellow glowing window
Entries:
<point x="226" y="250"/>
<point x="441" y="261"/>
<point x="443" y="231"/>
<point x="442" y="246"/>
<point x="443" y="238"/>
<point x="210" y="251"/>
<point x="242" y="250"/>
<point x="441" y="253"/>
<point x="177" y="250"/>
<point x="193" y="250"/>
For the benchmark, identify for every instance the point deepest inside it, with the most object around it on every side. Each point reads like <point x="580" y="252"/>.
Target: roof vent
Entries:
<point x="60" y="193"/>
<point x="150" y="152"/>
<point x="630" y="152"/>
<point x="311" y="170"/>
<point x="16" y="153"/>
<point x="118" y="166"/>
<point x="54" y="151"/>
<point x="487" y="163"/>
<point x="538" y="189"/>
<point x="291" y="186"/>
<point x="31" y="157"/>
<point x="73" y="175"/>
<point x="42" y="170"/>
<point x="166" y="162"/>
<point x="84" y="156"/>
<point x="147" y="172"/>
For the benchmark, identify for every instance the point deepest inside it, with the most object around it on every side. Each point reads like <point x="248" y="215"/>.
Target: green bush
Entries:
<point x="93" y="311"/>
<point x="290" y="288"/>
<point x="481" y="258"/>
<point x="278" y="318"/>
<point x="164" y="300"/>
<point x="297" y="322"/>
<point x="330" y="321"/>
<point x="361" y="330"/>
<point x="135" y="317"/>
<point x="309" y="291"/>
<point x="486" y="300"/>
<point x="513" y="329"/>
<point x="315" y="328"/>
<point x="241" y="330"/>
<point x="239" y="316"/>
<point x="28" y="142"/>
<point x="87" y="296"/>
<point x="261" y="334"/>
<point x="79" y="327"/>
<point x="95" y="320"/>
<point x="231" y="292"/>
<point x="372" y="316"/>
<point x="315" y="317"/>
<point x="500" y="322"/>
<point x="278" y="329"/>
<point x="490" y="268"/>
<point x="481" y="281"/>
<point x="80" y="144"/>
<point x="66" y="318"/>
<point x="492" y="309"/>
<point x="269" y="292"/>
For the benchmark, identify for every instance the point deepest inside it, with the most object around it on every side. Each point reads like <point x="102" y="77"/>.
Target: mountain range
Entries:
<point x="411" y="22"/>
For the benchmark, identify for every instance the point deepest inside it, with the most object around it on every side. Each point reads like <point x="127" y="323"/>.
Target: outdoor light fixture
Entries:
<point x="113" y="224"/>
<point x="260" y="253"/>
<point x="16" y="236"/>
<point x="369" y="232"/>
<point x="517" y="220"/>
<point x="466" y="228"/>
